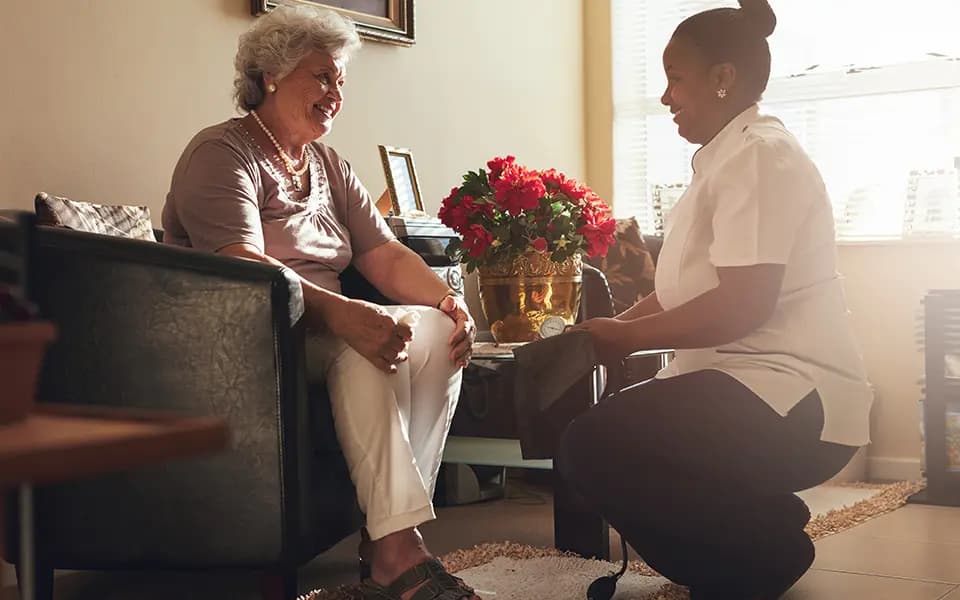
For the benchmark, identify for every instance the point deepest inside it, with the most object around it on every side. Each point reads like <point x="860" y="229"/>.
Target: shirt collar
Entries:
<point x="705" y="156"/>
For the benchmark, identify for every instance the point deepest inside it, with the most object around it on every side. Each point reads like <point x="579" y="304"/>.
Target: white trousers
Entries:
<point x="392" y="428"/>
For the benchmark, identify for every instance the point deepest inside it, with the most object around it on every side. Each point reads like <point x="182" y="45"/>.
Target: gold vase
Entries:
<point x="530" y="298"/>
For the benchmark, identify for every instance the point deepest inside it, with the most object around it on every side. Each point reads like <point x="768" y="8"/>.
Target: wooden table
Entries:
<point x="57" y="443"/>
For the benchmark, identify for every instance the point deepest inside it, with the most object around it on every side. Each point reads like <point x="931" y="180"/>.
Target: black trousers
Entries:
<point x="698" y="474"/>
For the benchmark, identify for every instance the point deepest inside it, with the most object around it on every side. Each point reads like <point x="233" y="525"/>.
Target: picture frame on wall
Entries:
<point x="402" y="183"/>
<point x="388" y="21"/>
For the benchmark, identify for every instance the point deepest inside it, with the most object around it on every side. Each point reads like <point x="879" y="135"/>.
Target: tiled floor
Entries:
<point x="911" y="554"/>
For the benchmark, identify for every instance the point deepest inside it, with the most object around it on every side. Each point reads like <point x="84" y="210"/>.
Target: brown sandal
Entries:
<point x="438" y="584"/>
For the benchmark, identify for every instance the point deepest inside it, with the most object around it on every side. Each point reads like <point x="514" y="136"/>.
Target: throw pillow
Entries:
<point x="628" y="265"/>
<point x="121" y="221"/>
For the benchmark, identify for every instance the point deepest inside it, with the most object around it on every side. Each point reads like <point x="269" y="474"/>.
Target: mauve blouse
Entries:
<point x="224" y="191"/>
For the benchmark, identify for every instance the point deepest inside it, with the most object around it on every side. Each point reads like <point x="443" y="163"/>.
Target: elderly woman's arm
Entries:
<point x="366" y="327"/>
<point x="400" y="274"/>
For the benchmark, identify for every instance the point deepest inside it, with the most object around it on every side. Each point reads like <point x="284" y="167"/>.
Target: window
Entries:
<point x="871" y="91"/>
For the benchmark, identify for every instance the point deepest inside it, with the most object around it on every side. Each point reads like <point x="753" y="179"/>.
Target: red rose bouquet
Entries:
<point x="512" y="210"/>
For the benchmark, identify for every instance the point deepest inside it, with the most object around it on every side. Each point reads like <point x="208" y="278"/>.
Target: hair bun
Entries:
<point x="759" y="16"/>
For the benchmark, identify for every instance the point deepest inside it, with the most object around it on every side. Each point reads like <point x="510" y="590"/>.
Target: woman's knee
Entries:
<point x="435" y="325"/>
<point x="431" y="342"/>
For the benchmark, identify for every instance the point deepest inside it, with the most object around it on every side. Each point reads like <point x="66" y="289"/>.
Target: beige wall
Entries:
<point x="885" y="284"/>
<point x="101" y="96"/>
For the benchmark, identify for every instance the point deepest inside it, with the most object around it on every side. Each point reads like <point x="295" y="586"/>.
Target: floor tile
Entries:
<point x="916" y="522"/>
<point x="873" y="555"/>
<point x="830" y="585"/>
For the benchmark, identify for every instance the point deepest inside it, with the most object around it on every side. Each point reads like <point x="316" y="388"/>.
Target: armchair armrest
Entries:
<point x="595" y="298"/>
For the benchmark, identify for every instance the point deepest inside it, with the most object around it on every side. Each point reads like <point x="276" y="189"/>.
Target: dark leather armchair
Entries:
<point x="653" y="242"/>
<point x="152" y="326"/>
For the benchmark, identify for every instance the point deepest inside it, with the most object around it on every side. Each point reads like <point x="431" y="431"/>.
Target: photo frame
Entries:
<point x="402" y="183"/>
<point x="388" y="21"/>
<point x="932" y="204"/>
<point x="665" y="197"/>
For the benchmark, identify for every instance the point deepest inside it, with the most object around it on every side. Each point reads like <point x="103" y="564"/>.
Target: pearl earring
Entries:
<point x="722" y="93"/>
<point x="272" y="88"/>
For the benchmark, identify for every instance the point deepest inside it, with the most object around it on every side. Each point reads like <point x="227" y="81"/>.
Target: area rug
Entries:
<point x="512" y="571"/>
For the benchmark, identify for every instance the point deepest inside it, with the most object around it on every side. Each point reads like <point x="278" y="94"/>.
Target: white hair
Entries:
<point x="279" y="40"/>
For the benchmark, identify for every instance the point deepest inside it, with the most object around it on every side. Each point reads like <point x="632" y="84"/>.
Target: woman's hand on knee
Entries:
<point x="464" y="332"/>
<point x="373" y="333"/>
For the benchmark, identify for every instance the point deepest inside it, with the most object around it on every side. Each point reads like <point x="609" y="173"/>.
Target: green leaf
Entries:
<point x="454" y="249"/>
<point x="475" y="184"/>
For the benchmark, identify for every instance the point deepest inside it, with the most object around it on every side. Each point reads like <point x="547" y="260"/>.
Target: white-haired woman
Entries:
<point x="260" y="187"/>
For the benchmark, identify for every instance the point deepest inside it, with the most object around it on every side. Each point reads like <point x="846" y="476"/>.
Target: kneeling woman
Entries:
<point x="767" y="395"/>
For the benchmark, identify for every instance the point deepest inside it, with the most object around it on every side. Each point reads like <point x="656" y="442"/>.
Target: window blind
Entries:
<point x="871" y="92"/>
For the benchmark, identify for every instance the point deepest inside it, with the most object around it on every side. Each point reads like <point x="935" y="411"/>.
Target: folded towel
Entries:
<point x="551" y="387"/>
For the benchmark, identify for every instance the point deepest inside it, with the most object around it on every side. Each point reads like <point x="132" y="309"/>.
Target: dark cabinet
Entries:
<point x="941" y="406"/>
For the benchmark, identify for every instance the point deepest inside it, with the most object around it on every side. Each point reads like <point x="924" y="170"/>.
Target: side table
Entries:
<point x="575" y="530"/>
<point x="56" y="443"/>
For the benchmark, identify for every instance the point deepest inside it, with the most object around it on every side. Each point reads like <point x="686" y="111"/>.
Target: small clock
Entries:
<point x="552" y="326"/>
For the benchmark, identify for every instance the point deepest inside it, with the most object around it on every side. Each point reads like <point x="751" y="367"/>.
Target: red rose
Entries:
<point x="574" y="190"/>
<point x="519" y="189"/>
<point x="539" y="244"/>
<point x="472" y="206"/>
<point x="594" y="210"/>
<point x="452" y="213"/>
<point x="476" y="240"/>
<point x="557" y="182"/>
<point x="599" y="236"/>
<point x="552" y="179"/>
<point x="497" y="165"/>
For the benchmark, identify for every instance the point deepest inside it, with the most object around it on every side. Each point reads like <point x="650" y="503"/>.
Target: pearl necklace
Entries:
<point x="295" y="174"/>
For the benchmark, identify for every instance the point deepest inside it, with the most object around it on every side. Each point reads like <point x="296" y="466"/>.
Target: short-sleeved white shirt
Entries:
<point x="757" y="198"/>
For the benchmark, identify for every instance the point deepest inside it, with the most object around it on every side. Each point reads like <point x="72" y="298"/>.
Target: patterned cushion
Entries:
<point x="628" y="265"/>
<point x="121" y="221"/>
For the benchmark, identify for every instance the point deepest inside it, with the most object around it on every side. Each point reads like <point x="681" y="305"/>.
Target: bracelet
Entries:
<point x="449" y="293"/>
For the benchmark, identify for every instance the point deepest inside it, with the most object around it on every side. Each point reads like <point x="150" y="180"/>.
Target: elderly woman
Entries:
<point x="261" y="188"/>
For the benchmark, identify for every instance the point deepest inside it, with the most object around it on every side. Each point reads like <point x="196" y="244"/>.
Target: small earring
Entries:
<point x="722" y="93"/>
<point x="273" y="88"/>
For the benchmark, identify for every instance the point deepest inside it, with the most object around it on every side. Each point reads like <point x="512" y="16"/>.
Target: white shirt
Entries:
<point x="757" y="198"/>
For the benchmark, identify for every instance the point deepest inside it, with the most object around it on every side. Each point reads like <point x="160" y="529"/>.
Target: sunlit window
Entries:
<point x="871" y="91"/>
